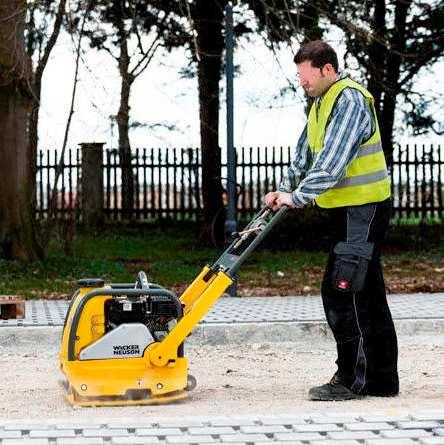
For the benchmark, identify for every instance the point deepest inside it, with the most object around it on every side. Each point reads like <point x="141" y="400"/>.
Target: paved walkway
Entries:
<point x="241" y="315"/>
<point x="420" y="428"/>
<point x="255" y="310"/>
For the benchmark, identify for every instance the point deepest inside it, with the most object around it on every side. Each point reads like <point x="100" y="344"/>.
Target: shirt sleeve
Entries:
<point x="298" y="165"/>
<point x="351" y="123"/>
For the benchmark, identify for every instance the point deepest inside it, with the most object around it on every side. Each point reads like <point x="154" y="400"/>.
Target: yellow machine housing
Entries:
<point x="122" y="344"/>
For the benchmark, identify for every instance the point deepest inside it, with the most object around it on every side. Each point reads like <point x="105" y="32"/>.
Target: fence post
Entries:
<point x="92" y="183"/>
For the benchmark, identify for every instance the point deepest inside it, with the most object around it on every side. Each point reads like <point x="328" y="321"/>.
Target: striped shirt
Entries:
<point x="351" y="123"/>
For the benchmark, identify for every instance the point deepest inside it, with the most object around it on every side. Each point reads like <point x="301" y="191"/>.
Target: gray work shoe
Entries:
<point x="332" y="391"/>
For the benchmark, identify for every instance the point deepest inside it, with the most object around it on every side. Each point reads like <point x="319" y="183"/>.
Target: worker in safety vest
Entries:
<point x="339" y="164"/>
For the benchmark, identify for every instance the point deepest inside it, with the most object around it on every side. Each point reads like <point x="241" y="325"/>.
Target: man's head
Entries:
<point x="317" y="65"/>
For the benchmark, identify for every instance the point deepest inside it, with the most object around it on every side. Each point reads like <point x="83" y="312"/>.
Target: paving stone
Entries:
<point x="391" y="442"/>
<point x="214" y="430"/>
<point x="317" y="427"/>
<point x="351" y="435"/>
<point x="77" y="426"/>
<point x="289" y="437"/>
<point x="186" y="438"/>
<point x="26" y="426"/>
<point x="80" y="441"/>
<point x="264" y="429"/>
<point x="384" y="418"/>
<point x="181" y="423"/>
<point x="104" y="432"/>
<point x="368" y="426"/>
<point x="134" y="440"/>
<point x="255" y="443"/>
<point x="410" y="434"/>
<point x="25" y="442"/>
<point x="429" y="415"/>
<point x="126" y="425"/>
<point x="10" y="434"/>
<point x="229" y="438"/>
<point x="334" y="442"/>
<point x="231" y="421"/>
<point x="337" y="418"/>
<point x="284" y="420"/>
<point x="432" y="440"/>
<point x="158" y="432"/>
<point x="52" y="433"/>
<point x="421" y="424"/>
<point x="295" y="442"/>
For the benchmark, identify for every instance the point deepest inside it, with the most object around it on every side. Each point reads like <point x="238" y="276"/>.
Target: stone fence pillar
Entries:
<point x="92" y="183"/>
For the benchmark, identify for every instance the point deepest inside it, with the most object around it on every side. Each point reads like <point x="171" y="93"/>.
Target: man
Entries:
<point x="339" y="164"/>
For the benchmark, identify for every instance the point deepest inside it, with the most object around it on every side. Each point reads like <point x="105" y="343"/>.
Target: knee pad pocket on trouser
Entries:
<point x="351" y="265"/>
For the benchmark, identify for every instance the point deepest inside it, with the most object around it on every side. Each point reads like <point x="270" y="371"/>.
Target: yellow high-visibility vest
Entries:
<point x="366" y="179"/>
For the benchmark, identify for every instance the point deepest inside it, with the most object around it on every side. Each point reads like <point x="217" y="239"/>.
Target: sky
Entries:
<point x="161" y="95"/>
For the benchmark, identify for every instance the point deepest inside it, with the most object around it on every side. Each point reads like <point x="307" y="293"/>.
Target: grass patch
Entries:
<point x="171" y="257"/>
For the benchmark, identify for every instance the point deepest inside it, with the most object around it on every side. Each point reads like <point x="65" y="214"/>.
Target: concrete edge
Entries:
<point x="226" y="333"/>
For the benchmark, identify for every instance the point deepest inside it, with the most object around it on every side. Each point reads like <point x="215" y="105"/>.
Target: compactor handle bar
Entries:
<point x="246" y="240"/>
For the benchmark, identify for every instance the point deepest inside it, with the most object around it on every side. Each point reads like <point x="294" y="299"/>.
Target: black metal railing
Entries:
<point x="167" y="182"/>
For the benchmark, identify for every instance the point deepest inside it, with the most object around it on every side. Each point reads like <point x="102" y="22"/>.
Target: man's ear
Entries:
<point x="328" y="69"/>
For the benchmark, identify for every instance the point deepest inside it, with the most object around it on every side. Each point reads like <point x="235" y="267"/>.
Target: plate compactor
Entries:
<point x="123" y="344"/>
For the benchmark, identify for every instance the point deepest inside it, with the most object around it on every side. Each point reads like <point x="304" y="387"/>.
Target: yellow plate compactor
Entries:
<point x="123" y="344"/>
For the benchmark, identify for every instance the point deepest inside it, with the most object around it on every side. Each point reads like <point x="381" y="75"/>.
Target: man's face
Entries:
<point x="313" y="80"/>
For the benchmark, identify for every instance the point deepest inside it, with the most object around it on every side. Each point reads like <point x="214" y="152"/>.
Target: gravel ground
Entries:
<point x="266" y="378"/>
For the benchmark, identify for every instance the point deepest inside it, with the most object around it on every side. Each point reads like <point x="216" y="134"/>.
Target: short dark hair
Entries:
<point x="318" y="53"/>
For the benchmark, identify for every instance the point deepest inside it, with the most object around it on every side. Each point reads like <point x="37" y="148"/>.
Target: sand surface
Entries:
<point x="258" y="379"/>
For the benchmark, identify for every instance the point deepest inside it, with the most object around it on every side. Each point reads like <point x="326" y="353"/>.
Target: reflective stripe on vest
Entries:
<point x="366" y="178"/>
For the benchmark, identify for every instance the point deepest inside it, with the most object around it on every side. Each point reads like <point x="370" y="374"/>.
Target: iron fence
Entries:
<point x="167" y="182"/>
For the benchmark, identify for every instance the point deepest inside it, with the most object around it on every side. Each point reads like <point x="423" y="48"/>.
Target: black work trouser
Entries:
<point x="354" y="299"/>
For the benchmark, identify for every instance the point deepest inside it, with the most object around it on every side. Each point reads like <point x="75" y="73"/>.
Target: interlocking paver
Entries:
<point x="421" y="424"/>
<point x="10" y="434"/>
<point x="104" y="432"/>
<point x="284" y="420"/>
<point x="180" y="423"/>
<point x="25" y="442"/>
<point x="368" y="426"/>
<point x="148" y="423"/>
<point x="288" y="437"/>
<point x="351" y="435"/>
<point x="80" y="441"/>
<point x="77" y="426"/>
<point x="317" y="427"/>
<point x="232" y="422"/>
<point x="243" y="438"/>
<point x="52" y="433"/>
<point x="213" y="430"/>
<point x="334" y="442"/>
<point x="251" y="309"/>
<point x="337" y="418"/>
<point x="432" y="440"/>
<point x="410" y="434"/>
<point x="26" y="426"/>
<point x="384" y="418"/>
<point x="135" y="440"/>
<point x="186" y="438"/>
<point x="158" y="432"/>
<point x="264" y="429"/>
<point x="429" y="415"/>
<point x="391" y="442"/>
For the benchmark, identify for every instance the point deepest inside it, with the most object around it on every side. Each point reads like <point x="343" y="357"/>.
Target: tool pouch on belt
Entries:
<point x="351" y="265"/>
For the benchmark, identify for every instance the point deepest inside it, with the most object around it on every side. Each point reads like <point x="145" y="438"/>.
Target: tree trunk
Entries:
<point x="377" y="54"/>
<point x="208" y="22"/>
<point x="394" y="60"/>
<point x="127" y="191"/>
<point x="125" y="148"/>
<point x="17" y="232"/>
